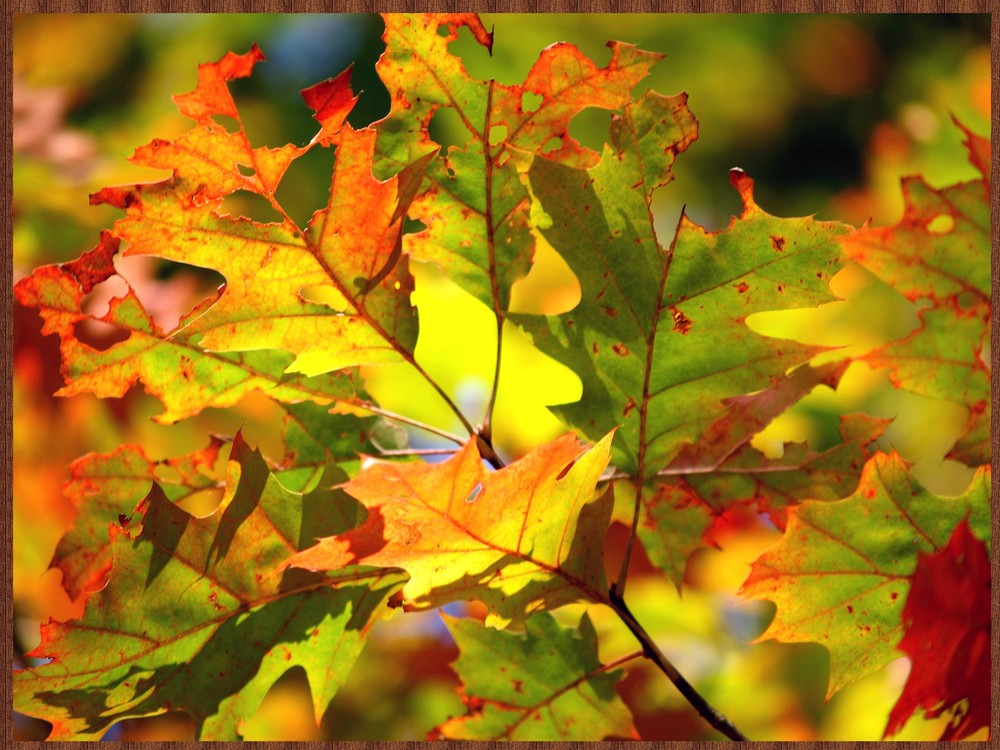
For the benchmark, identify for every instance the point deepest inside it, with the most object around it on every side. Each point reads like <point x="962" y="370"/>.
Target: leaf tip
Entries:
<point x="744" y="186"/>
<point x="331" y="100"/>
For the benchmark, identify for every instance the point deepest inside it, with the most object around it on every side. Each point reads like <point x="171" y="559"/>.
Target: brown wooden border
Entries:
<point x="494" y="6"/>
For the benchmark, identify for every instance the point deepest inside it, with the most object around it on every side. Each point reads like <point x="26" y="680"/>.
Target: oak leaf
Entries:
<point x="947" y="623"/>
<point x="274" y="271"/>
<point x="173" y="367"/>
<point x="101" y="487"/>
<point x="473" y="204"/>
<point x="544" y="684"/>
<point x="521" y="539"/>
<point x="297" y="301"/>
<point x="842" y="570"/>
<point x="194" y="618"/>
<point x="940" y="252"/>
<point x="659" y="337"/>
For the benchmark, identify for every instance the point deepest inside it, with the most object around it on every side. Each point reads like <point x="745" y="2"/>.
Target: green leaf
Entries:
<point x="544" y="684"/>
<point x="195" y="619"/>
<point x="473" y="203"/>
<point x="103" y="486"/>
<point x="659" y="337"/>
<point x="841" y="573"/>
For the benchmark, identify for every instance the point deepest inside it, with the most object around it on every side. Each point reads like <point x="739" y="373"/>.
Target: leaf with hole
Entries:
<point x="195" y="619"/>
<point x="841" y="573"/>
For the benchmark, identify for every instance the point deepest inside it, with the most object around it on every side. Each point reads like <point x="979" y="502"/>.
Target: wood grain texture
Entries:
<point x="495" y="6"/>
<point x="505" y="6"/>
<point x="6" y="395"/>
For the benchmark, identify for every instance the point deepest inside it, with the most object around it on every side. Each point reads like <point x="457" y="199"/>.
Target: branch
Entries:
<point x="653" y="653"/>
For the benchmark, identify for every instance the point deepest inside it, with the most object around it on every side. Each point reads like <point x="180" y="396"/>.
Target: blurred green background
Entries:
<point x="826" y="113"/>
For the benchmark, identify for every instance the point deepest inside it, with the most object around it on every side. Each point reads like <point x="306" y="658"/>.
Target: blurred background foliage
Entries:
<point x="826" y="113"/>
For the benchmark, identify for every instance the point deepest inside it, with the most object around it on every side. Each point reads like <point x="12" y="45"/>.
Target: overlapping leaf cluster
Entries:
<point x="303" y="552"/>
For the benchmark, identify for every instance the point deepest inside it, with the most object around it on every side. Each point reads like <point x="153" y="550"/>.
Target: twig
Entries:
<point x="418" y="452"/>
<point x="681" y="471"/>
<point x="406" y="420"/>
<point x="653" y="653"/>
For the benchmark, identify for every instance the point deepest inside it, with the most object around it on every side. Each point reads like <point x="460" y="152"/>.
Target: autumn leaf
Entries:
<point x="521" y="539"/>
<point x="678" y="510"/>
<point x="332" y="295"/>
<point x="544" y="684"/>
<point x="841" y="572"/>
<point x="201" y="613"/>
<point x="103" y="486"/>
<point x="474" y="206"/>
<point x="315" y="439"/>
<point x="940" y="253"/>
<point x="659" y="337"/>
<point x="280" y="277"/>
<point x="193" y="618"/>
<point x="947" y="623"/>
<point x="172" y="367"/>
<point x="723" y="469"/>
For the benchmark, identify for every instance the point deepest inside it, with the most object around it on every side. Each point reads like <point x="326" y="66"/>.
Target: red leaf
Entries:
<point x="331" y="100"/>
<point x="212" y="96"/>
<point x="947" y="620"/>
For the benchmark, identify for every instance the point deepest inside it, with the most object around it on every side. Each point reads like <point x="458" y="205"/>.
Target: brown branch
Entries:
<point x="654" y="654"/>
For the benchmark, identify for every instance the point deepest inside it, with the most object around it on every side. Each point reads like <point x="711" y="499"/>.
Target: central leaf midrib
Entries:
<point x="572" y="580"/>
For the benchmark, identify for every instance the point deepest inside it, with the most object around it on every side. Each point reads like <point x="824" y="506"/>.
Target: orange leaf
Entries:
<point x="521" y="539"/>
<point x="940" y="251"/>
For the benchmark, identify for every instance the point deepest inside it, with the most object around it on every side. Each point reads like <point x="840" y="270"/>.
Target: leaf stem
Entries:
<point x="418" y="452"/>
<point x="486" y="430"/>
<point x="407" y="420"/>
<point x="640" y="474"/>
<point x="654" y="654"/>
<point x="681" y="471"/>
<point x="359" y="306"/>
